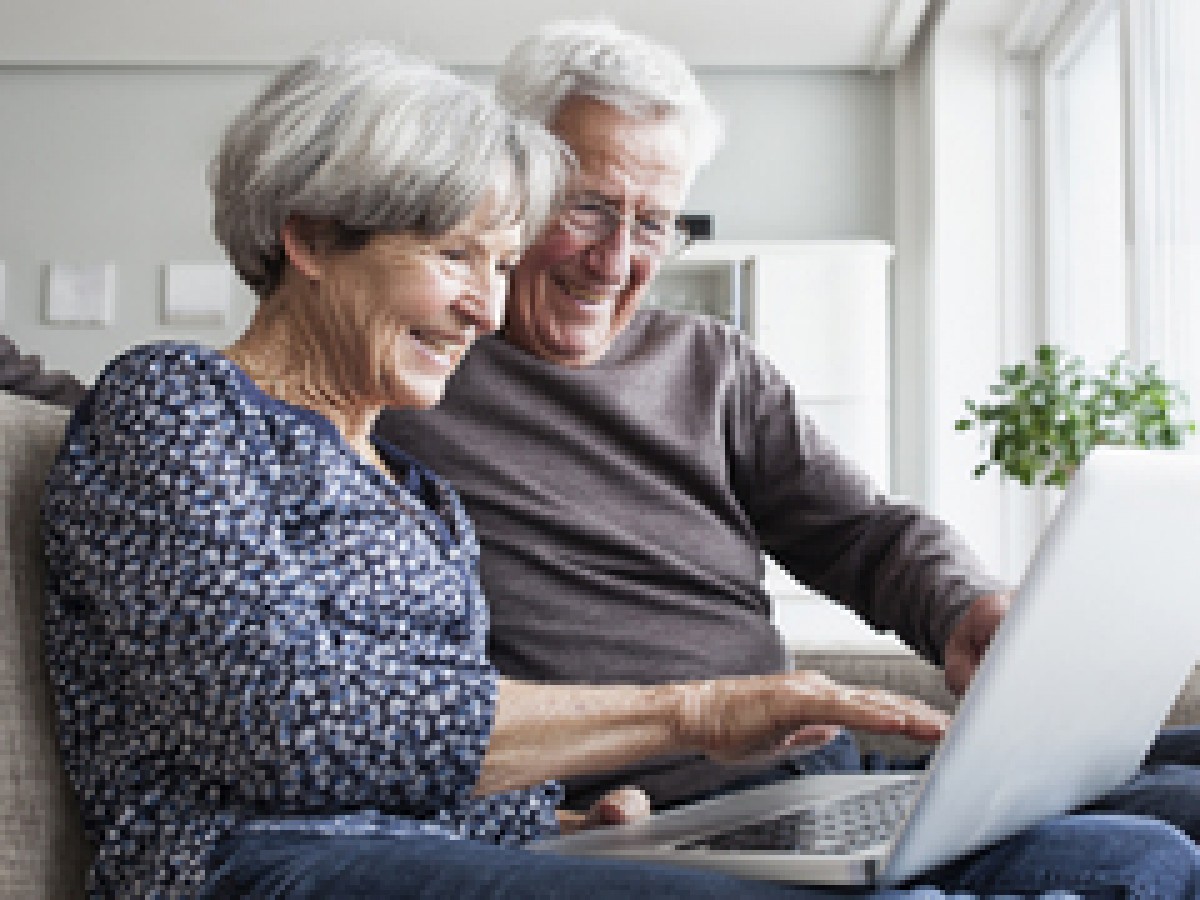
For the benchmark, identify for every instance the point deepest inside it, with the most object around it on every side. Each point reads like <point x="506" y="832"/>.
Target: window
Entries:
<point x="1121" y="93"/>
<point x="1087" y="308"/>
<point x="1165" y="112"/>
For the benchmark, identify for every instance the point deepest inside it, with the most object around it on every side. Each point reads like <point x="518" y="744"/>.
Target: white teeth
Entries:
<point x="441" y="346"/>
<point x="589" y="297"/>
<point x="583" y="295"/>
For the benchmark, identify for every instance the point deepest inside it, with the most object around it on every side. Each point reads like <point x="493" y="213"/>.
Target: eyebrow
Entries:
<point x="653" y="213"/>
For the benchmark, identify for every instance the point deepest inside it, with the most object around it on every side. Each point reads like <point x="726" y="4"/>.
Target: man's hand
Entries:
<point x="618" y="807"/>
<point x="753" y="719"/>
<point x="970" y="638"/>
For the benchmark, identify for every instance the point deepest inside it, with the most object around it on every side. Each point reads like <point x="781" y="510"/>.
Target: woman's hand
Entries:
<point x="746" y="719"/>
<point x="559" y="731"/>
<point x="619" y="807"/>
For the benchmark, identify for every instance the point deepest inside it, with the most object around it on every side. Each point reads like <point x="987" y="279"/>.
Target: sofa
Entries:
<point x="42" y="849"/>
<point x="43" y="854"/>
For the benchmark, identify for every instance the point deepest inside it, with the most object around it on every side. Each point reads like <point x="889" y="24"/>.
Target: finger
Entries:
<point x="569" y="821"/>
<point x="618" y="807"/>
<point x="959" y="672"/>
<point x="873" y="710"/>
<point x="918" y="720"/>
<point x="811" y="737"/>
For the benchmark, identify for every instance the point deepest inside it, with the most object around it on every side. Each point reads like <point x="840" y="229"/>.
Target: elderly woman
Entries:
<point x="266" y="630"/>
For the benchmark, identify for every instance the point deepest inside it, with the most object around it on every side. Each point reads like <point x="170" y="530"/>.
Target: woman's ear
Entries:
<point x="300" y="248"/>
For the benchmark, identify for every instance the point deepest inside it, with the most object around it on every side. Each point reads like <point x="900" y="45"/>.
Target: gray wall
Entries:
<point x="107" y="165"/>
<point x="808" y="155"/>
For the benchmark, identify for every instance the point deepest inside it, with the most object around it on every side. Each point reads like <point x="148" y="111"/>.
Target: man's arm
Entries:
<point x="27" y="376"/>
<point x="823" y="519"/>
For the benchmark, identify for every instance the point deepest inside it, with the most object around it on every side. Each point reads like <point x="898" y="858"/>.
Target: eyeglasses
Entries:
<point x="594" y="218"/>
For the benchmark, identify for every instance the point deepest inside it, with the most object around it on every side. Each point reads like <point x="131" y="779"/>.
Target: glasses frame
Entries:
<point x="678" y="240"/>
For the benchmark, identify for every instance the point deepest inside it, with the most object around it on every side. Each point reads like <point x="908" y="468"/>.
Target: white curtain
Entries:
<point x="1164" y="110"/>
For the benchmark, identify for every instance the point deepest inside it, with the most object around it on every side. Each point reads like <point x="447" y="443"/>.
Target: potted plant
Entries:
<point x="1043" y="417"/>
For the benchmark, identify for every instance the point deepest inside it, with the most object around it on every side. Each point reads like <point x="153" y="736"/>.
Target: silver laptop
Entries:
<point x="1101" y="637"/>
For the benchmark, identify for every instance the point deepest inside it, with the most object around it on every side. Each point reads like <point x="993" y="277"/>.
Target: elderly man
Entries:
<point x="626" y="468"/>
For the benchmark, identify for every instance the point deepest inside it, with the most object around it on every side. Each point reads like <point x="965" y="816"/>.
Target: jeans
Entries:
<point x="1094" y="856"/>
<point x="1138" y="842"/>
<point x="1167" y="787"/>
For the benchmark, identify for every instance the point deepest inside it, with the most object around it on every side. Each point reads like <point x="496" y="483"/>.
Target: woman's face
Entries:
<point x="410" y="307"/>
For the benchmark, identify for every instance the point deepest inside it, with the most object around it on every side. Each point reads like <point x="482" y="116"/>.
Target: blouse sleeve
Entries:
<point x="265" y="638"/>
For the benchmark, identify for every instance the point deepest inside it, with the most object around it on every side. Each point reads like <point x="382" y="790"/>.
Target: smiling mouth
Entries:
<point x="582" y="295"/>
<point x="444" y="349"/>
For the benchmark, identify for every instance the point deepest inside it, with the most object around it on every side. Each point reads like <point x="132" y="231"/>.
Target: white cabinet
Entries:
<point x="819" y="310"/>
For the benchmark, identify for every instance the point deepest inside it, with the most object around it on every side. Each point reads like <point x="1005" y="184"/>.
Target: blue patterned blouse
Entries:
<point x="248" y="627"/>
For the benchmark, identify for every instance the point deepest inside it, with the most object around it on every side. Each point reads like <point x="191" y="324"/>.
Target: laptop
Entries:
<point x="1101" y="637"/>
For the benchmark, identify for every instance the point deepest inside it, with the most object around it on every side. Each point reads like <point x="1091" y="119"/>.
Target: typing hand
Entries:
<point x="747" y="719"/>
<point x="970" y="639"/>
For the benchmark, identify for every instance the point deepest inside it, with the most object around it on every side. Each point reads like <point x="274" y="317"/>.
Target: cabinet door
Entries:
<point x="713" y="287"/>
<point x="821" y="316"/>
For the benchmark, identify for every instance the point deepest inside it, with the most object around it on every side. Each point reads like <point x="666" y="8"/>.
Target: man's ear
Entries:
<point x="300" y="247"/>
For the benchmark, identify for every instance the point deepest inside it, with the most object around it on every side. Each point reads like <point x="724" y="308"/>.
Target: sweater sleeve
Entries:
<point x="269" y="646"/>
<point x="820" y="516"/>
<point x="28" y="377"/>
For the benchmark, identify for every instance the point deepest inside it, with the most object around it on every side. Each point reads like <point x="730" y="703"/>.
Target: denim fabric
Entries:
<point x="1092" y="855"/>
<point x="283" y="866"/>
<point x="1131" y="844"/>
<point x="1168" y="785"/>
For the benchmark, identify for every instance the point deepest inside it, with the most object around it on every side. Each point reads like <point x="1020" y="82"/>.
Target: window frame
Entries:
<point x="1081" y="22"/>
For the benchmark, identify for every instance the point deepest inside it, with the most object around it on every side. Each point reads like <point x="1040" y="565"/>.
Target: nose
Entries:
<point x="609" y="259"/>
<point x="481" y="300"/>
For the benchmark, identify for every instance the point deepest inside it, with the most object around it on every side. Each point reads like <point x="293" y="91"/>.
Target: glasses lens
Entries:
<point x="595" y="220"/>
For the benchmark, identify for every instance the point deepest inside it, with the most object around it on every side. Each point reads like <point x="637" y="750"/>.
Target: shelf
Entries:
<point x="713" y="252"/>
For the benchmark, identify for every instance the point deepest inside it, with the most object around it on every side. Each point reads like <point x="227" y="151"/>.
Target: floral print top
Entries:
<point x="249" y="627"/>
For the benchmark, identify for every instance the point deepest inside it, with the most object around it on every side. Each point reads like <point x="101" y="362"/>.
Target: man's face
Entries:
<point x="572" y="294"/>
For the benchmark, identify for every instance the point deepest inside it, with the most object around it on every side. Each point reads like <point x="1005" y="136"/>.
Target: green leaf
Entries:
<point x="1044" y="417"/>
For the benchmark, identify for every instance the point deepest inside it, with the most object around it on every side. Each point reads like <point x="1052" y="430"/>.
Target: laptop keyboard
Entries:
<point x="847" y="825"/>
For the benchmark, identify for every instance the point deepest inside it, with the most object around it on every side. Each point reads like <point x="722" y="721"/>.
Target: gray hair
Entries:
<point x="370" y="141"/>
<point x="594" y="58"/>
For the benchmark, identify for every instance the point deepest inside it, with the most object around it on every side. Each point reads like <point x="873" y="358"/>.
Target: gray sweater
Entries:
<point x="27" y="376"/>
<point x="623" y="508"/>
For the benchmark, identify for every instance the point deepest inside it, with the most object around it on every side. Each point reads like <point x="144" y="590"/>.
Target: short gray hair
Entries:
<point x="371" y="141"/>
<point x="594" y="58"/>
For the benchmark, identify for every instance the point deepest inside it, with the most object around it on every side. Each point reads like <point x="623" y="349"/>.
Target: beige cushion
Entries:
<point x="42" y="851"/>
<point x="906" y="673"/>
